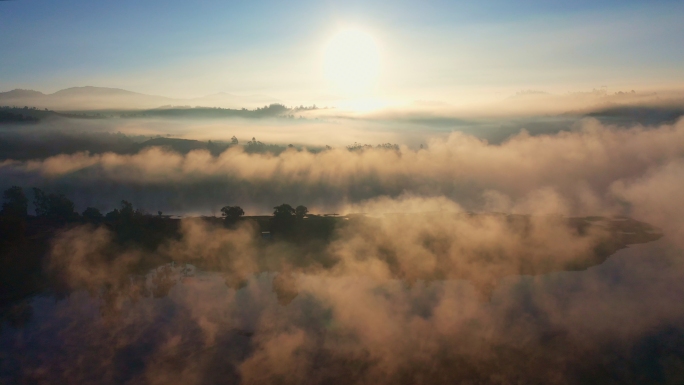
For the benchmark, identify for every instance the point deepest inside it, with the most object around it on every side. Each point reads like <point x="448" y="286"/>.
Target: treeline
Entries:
<point x="383" y="146"/>
<point x="33" y="114"/>
<point x="53" y="206"/>
<point x="133" y="227"/>
<point x="21" y="145"/>
<point x="11" y="117"/>
<point x="269" y="111"/>
<point x="57" y="207"/>
<point x="55" y="210"/>
<point x="26" y="239"/>
<point x="275" y="110"/>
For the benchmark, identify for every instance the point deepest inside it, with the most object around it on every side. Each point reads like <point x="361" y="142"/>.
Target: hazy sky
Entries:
<point x="431" y="50"/>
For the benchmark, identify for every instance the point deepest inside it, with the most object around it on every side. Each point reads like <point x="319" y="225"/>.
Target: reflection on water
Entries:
<point x="621" y="322"/>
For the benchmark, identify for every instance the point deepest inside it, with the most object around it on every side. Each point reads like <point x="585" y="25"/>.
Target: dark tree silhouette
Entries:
<point x="53" y="206"/>
<point x="301" y="211"/>
<point x="137" y="227"/>
<point x="126" y="209"/>
<point x="232" y="213"/>
<point x="12" y="227"/>
<point x="92" y="214"/>
<point x="112" y="215"/>
<point x="283" y="219"/>
<point x="283" y="212"/>
<point x="16" y="203"/>
<point x="125" y="213"/>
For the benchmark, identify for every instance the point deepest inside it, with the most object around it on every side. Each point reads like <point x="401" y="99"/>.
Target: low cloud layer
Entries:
<point x="594" y="170"/>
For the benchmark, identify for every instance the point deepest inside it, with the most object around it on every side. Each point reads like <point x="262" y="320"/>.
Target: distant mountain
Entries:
<point x="82" y="98"/>
<point x="91" y="91"/>
<point x="102" y="98"/>
<point x="18" y="93"/>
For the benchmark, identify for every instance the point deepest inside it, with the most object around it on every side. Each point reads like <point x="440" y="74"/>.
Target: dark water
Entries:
<point x="620" y="322"/>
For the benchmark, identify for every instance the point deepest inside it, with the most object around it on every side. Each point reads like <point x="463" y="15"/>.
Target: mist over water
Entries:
<point x="177" y="323"/>
<point x="584" y="171"/>
<point x="463" y="266"/>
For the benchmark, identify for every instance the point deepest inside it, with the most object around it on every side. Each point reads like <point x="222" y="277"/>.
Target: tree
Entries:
<point x="53" y="206"/>
<point x="112" y="215"/>
<point x="232" y="213"/>
<point x="126" y="209"/>
<point x="126" y="213"/>
<point x="283" y="219"/>
<point x="13" y="218"/>
<point x="16" y="203"/>
<point x="92" y="214"/>
<point x="301" y="211"/>
<point x="283" y="211"/>
<point x="234" y="140"/>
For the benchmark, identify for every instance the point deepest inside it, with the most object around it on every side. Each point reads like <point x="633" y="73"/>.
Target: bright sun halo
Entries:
<point x="352" y="61"/>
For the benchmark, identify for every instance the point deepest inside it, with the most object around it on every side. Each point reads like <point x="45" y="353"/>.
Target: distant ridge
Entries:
<point x="105" y="98"/>
<point x="19" y="93"/>
<point x="90" y="90"/>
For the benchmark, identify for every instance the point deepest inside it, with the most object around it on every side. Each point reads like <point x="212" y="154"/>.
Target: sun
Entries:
<point x="352" y="62"/>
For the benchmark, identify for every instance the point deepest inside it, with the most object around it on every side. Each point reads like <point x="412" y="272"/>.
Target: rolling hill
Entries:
<point x="102" y="98"/>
